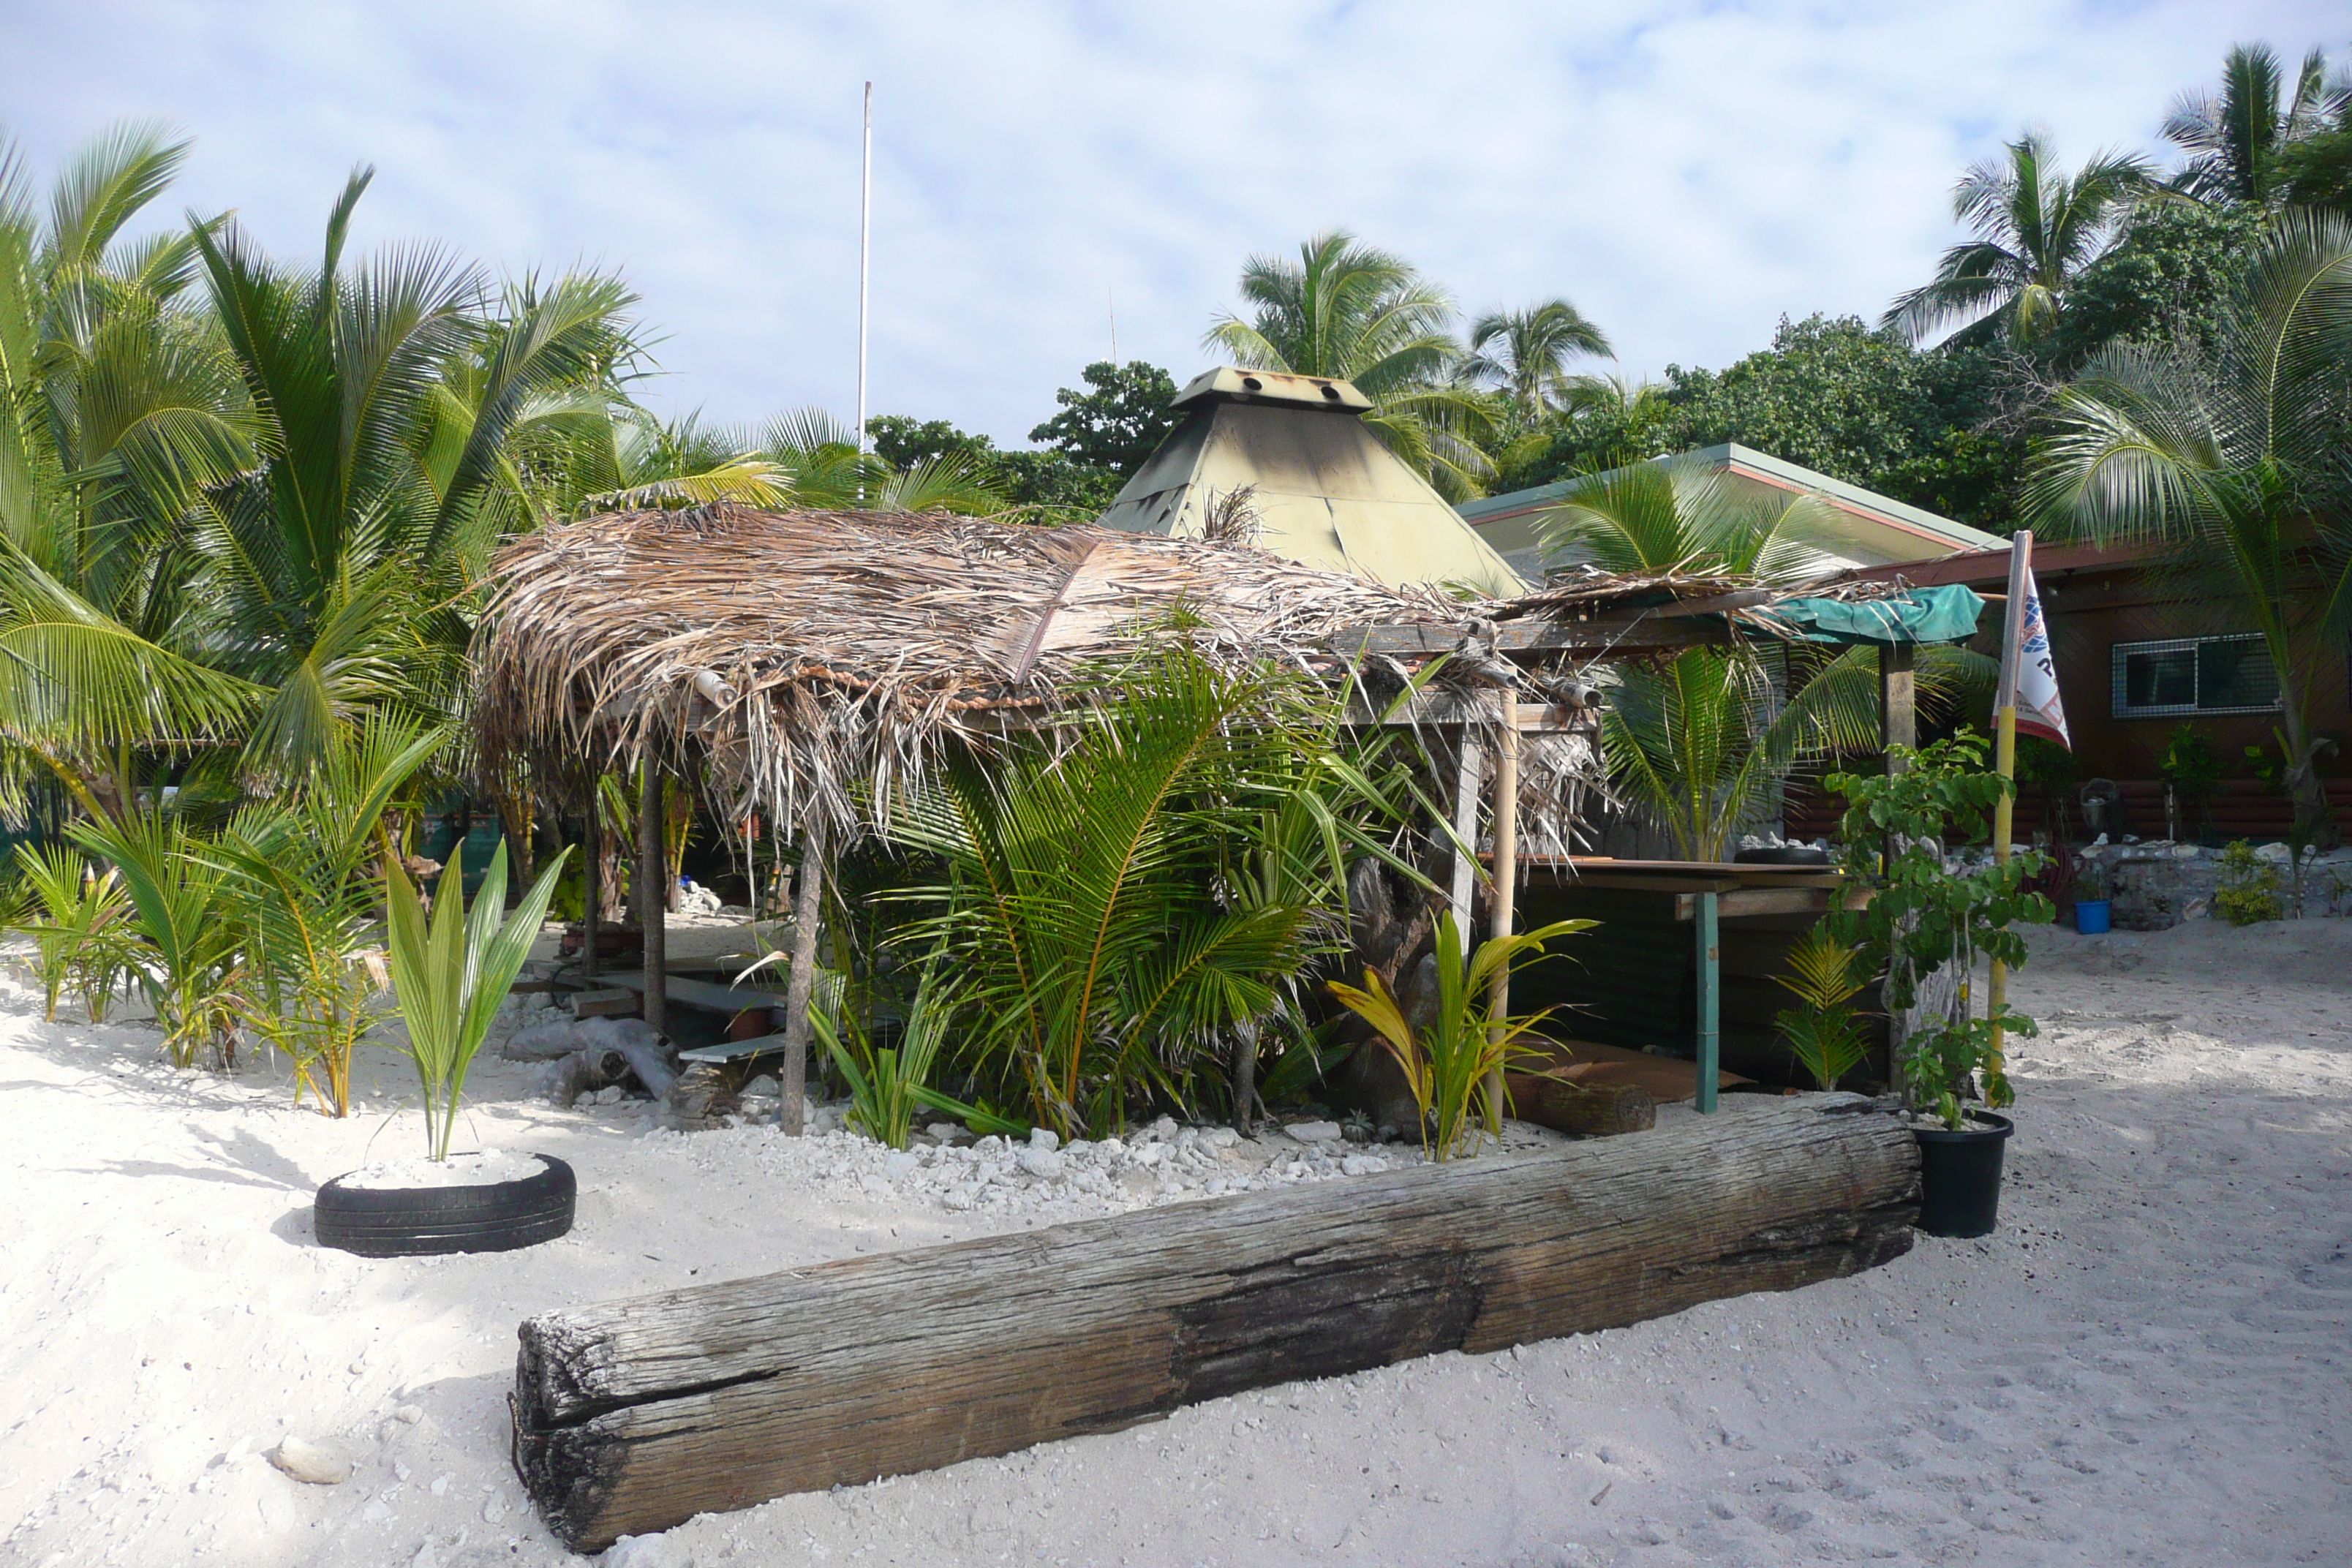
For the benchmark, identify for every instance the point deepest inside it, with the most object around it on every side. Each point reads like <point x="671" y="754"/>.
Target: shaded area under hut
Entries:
<point x="809" y="667"/>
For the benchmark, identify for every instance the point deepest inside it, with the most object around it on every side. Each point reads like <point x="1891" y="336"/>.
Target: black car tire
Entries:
<point x="413" y="1221"/>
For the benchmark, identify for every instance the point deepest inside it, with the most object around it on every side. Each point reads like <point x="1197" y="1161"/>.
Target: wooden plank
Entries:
<point x="703" y="994"/>
<point x="609" y="1003"/>
<point x="633" y="1416"/>
<point x="1735" y="902"/>
<point x="734" y="1050"/>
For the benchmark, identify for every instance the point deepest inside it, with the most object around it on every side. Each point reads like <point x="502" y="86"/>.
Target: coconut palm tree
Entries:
<point x="1524" y="354"/>
<point x="1700" y="742"/>
<point x="391" y="390"/>
<point x="2233" y="460"/>
<point x="2234" y="138"/>
<point x="2037" y="229"/>
<point x="1348" y="310"/>
<point x="119" y="403"/>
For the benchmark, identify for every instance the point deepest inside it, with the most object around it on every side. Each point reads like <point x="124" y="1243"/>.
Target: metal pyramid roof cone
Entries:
<point x="1321" y="488"/>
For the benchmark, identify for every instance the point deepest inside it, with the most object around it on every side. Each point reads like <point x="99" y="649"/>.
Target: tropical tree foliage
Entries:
<point x="1524" y="354"/>
<point x="1349" y="311"/>
<point x="2234" y="461"/>
<point x="2037" y="229"/>
<point x="2237" y="138"/>
<point x="1700" y="742"/>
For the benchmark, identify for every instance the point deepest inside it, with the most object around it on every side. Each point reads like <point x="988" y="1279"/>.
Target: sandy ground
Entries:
<point x="2147" y="1365"/>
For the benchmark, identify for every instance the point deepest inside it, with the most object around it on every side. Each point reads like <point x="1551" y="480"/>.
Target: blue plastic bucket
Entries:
<point x="2091" y="916"/>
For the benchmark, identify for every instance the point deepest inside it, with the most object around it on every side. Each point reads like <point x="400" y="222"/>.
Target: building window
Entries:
<point x="2194" y="675"/>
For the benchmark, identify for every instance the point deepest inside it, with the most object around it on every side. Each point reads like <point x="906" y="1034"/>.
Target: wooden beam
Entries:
<point x="1618" y="635"/>
<point x="1432" y="710"/>
<point x="1898" y="699"/>
<point x="633" y="1416"/>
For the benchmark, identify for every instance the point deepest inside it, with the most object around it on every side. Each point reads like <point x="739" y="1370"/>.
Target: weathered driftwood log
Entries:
<point x="1565" y="1106"/>
<point x="634" y="1415"/>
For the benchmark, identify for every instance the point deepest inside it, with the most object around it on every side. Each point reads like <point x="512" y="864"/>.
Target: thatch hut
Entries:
<point x="819" y="658"/>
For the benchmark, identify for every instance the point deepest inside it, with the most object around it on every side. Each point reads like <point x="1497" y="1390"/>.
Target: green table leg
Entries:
<point x="1710" y="1004"/>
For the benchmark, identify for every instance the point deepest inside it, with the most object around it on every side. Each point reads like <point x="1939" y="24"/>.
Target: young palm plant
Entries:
<point x="82" y="929"/>
<point x="192" y="962"/>
<point x="2232" y="462"/>
<point x="301" y="873"/>
<point x="1082" y="915"/>
<point x="1822" y="1031"/>
<point x="1454" y="1063"/>
<point x="1700" y="741"/>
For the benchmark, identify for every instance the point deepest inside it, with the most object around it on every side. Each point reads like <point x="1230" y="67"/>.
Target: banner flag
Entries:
<point x="2039" y="711"/>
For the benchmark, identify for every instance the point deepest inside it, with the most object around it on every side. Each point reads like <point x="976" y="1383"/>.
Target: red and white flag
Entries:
<point x="2039" y="711"/>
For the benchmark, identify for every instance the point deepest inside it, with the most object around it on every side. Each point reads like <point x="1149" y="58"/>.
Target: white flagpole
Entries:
<point x="864" y="259"/>
<point x="2004" y="754"/>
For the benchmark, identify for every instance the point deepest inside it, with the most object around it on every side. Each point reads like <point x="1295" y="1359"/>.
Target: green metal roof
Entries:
<point x="1939" y="536"/>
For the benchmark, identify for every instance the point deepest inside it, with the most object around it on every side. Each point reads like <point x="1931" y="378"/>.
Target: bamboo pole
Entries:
<point x="800" y="995"/>
<point x="653" y="905"/>
<point x="2004" y="760"/>
<point x="1506" y="878"/>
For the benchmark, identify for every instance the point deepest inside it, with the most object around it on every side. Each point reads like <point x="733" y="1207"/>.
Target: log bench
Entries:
<point x="633" y="1416"/>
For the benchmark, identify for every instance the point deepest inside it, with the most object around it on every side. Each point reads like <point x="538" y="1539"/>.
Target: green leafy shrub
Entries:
<point x="1923" y="915"/>
<point x="1823" y="1032"/>
<point x="2248" y="890"/>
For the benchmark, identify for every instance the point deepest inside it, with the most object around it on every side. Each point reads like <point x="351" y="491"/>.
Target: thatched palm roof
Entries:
<point x="813" y="651"/>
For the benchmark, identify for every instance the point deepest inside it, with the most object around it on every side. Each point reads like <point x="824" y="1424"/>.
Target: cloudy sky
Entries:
<point x="1687" y="172"/>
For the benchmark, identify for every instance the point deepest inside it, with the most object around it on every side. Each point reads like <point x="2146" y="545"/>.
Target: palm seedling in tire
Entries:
<point x="451" y="973"/>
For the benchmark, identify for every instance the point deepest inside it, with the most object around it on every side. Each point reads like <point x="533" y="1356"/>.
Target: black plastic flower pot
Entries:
<point x="413" y="1221"/>
<point x="1959" y="1175"/>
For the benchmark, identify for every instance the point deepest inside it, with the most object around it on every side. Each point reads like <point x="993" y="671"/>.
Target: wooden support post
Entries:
<point x="1468" y="774"/>
<point x="592" y="914"/>
<point x="1899" y="701"/>
<point x="653" y="906"/>
<point x="633" y="1416"/>
<point x="800" y="995"/>
<point x="1710" y="1003"/>
<point x="1507" y="883"/>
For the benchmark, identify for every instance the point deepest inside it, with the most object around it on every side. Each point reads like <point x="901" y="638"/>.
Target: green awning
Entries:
<point x="1917" y="615"/>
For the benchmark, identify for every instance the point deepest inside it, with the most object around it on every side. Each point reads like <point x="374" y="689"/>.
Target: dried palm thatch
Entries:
<point x="819" y="658"/>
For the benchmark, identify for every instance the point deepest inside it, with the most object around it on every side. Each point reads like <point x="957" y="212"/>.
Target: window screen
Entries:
<point x="2193" y="675"/>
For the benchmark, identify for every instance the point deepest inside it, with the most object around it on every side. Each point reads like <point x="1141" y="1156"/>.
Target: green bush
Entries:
<point x="2248" y="893"/>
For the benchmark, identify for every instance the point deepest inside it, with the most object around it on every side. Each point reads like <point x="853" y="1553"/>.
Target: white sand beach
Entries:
<point x="2147" y="1365"/>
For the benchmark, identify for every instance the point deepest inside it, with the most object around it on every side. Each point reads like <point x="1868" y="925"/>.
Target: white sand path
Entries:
<point x="2147" y="1365"/>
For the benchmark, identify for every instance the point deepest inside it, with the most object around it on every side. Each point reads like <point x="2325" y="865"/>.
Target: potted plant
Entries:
<point x="451" y="975"/>
<point x="1923" y="915"/>
<point x="2094" y="907"/>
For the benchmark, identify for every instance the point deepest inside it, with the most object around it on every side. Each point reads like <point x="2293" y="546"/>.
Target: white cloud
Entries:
<point x="1687" y="172"/>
